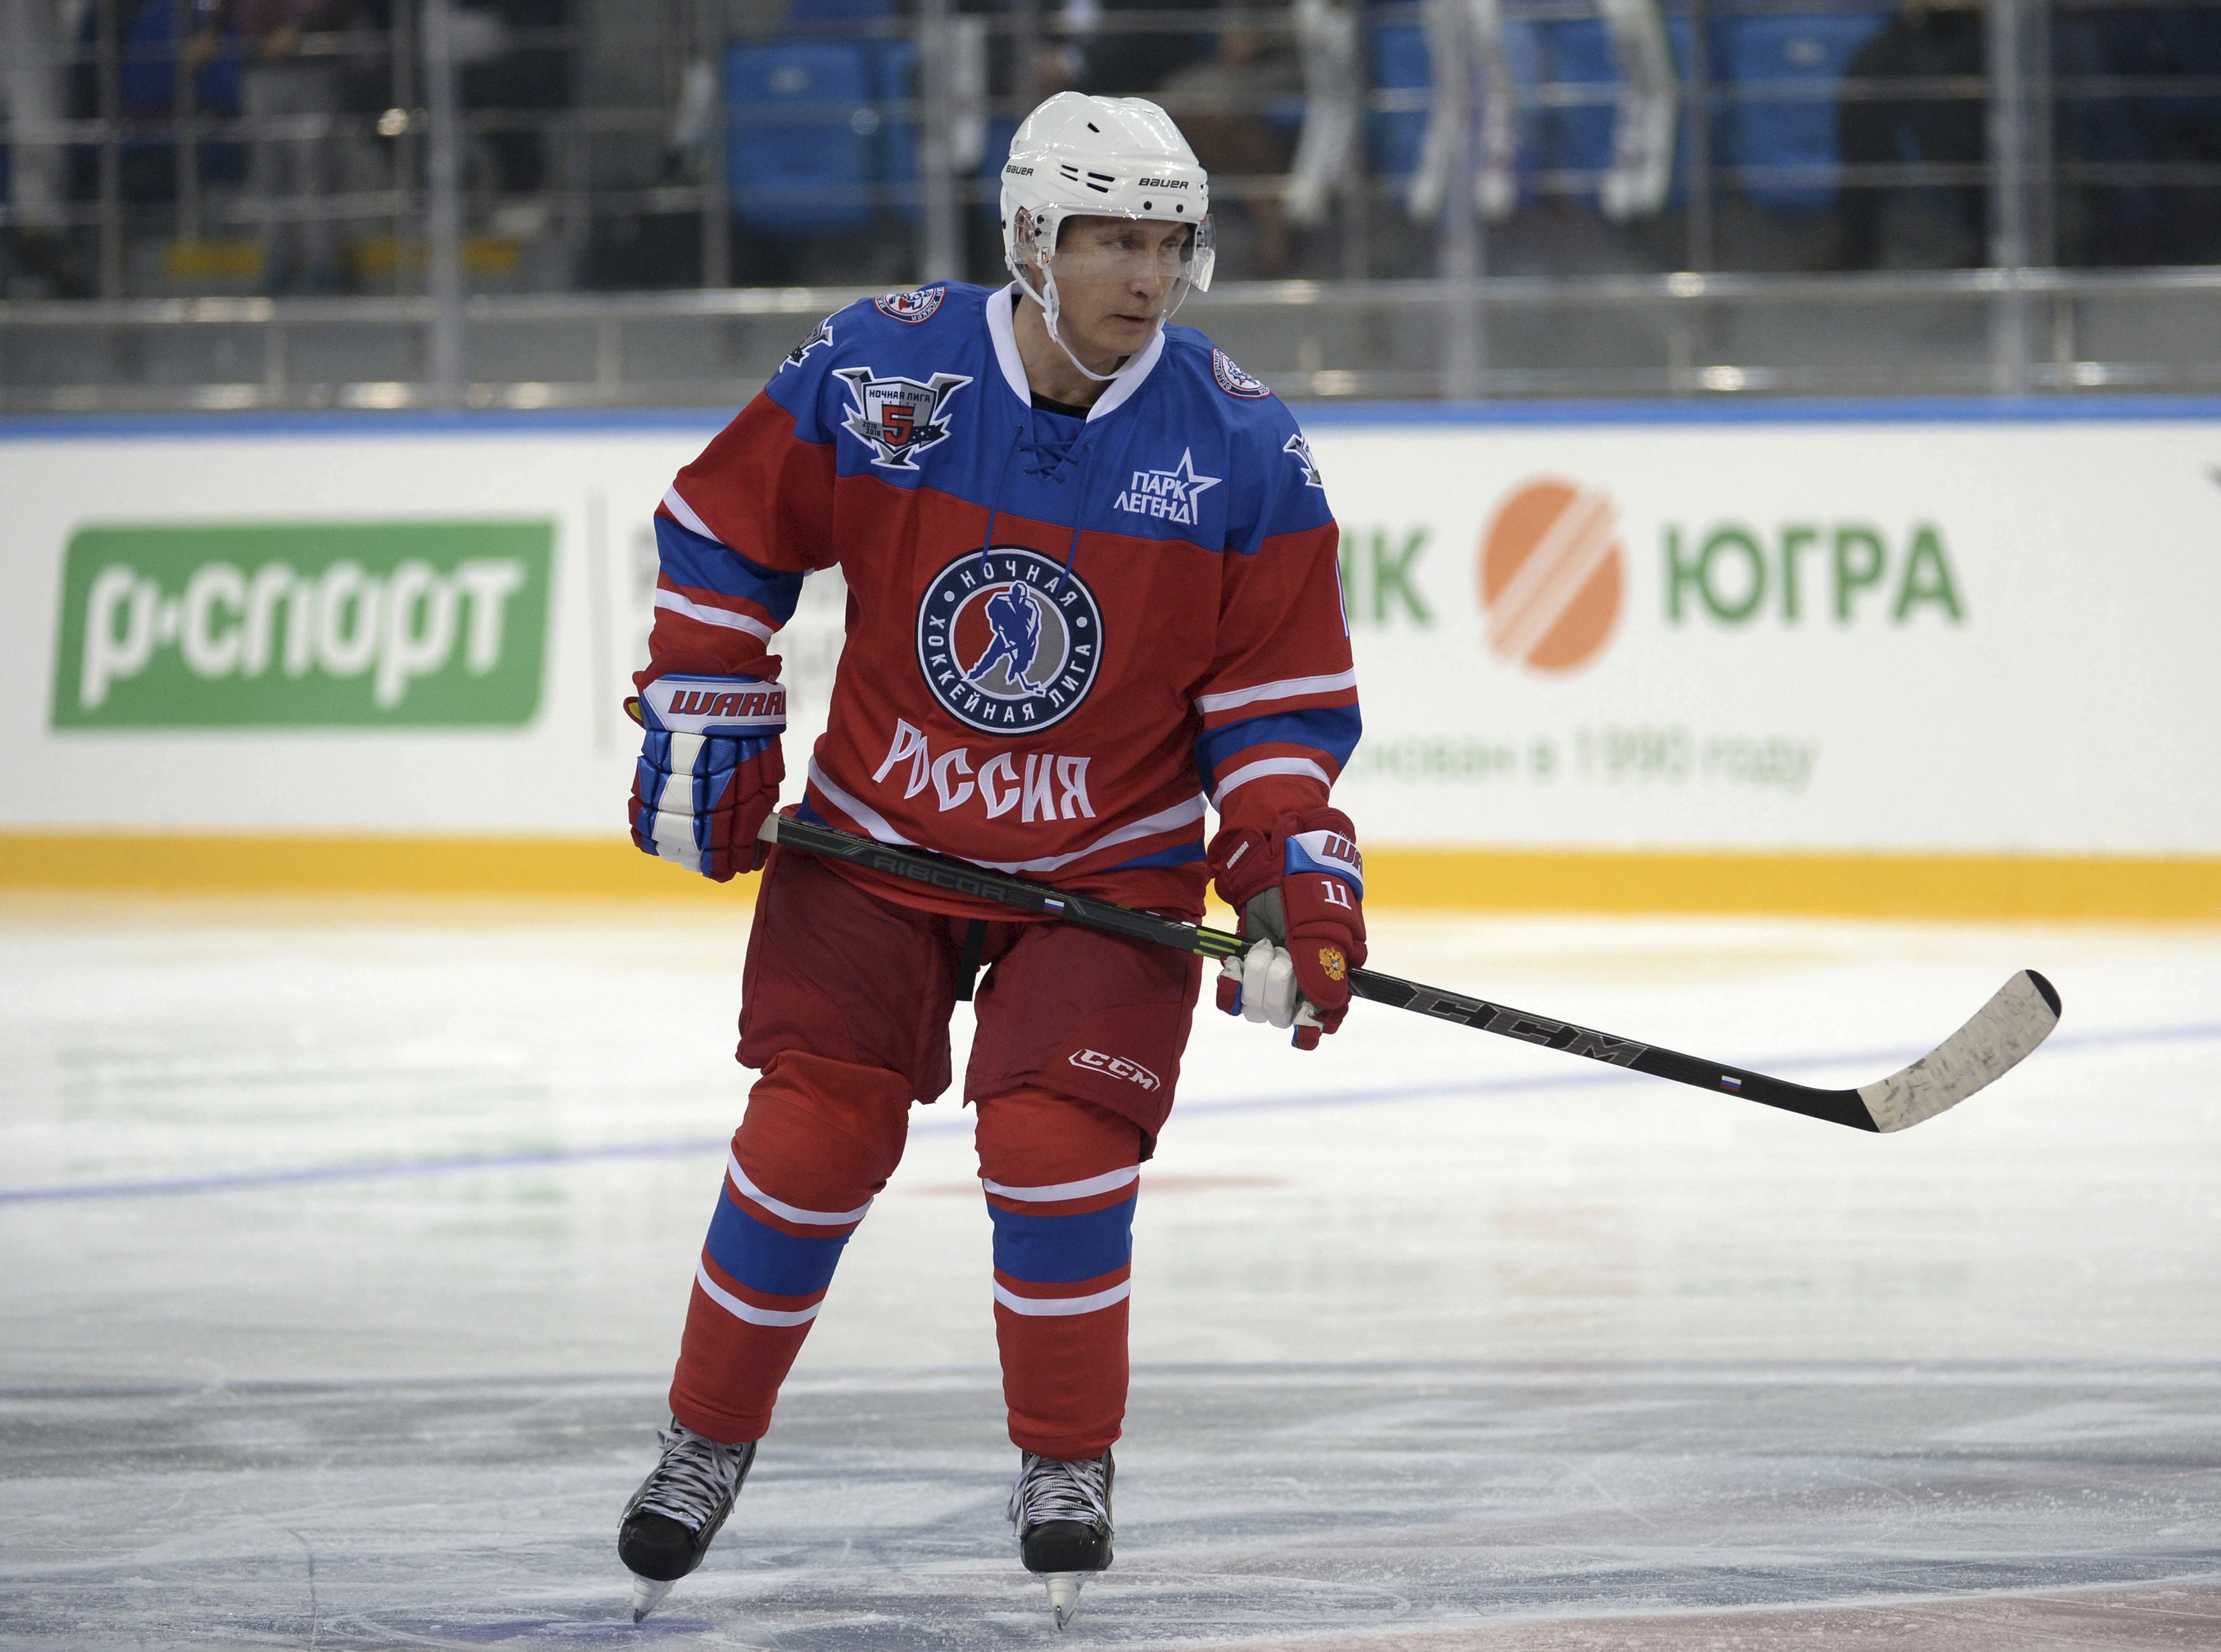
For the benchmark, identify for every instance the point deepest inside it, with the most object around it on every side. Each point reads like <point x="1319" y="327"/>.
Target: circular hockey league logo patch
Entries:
<point x="915" y="306"/>
<point x="1008" y="641"/>
<point x="1332" y="960"/>
<point x="1234" y="381"/>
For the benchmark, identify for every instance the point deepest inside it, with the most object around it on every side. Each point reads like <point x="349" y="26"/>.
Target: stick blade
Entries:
<point x="2001" y="1034"/>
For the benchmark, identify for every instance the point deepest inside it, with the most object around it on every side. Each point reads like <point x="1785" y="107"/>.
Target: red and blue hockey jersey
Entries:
<point x="1064" y="635"/>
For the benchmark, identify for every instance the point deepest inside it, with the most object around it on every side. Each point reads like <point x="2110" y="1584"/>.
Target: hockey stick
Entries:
<point x="2003" y="1032"/>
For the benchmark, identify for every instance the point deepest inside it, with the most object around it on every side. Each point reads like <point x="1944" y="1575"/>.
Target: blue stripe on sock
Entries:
<point x="1063" y="1250"/>
<point x="763" y="1259"/>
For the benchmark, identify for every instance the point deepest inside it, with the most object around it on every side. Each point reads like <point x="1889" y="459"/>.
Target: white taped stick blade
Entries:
<point x="2002" y="1032"/>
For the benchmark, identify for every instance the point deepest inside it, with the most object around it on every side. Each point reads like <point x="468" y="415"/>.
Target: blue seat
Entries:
<point x="841" y="11"/>
<point x="1578" y="138"/>
<point x="802" y="143"/>
<point x="1757" y="131"/>
<point x="1399" y="64"/>
<point x="894" y="80"/>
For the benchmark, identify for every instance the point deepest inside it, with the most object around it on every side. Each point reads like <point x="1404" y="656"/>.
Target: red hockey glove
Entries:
<point x="710" y="767"/>
<point x="1300" y="890"/>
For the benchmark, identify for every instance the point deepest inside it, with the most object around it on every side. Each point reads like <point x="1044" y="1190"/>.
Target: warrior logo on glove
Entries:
<point x="709" y="768"/>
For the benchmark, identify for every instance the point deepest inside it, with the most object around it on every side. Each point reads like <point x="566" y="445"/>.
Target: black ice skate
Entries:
<point x="668" y="1524"/>
<point x="1062" y="1512"/>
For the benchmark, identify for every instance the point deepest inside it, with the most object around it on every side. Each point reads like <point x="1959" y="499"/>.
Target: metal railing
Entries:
<point x="1520" y="278"/>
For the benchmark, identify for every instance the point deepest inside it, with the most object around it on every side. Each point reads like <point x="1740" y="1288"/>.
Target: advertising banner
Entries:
<point x="1979" y="636"/>
<point x="1963" y="636"/>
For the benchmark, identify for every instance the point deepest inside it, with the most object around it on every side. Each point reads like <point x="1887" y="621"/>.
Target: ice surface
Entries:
<point x="344" y="1249"/>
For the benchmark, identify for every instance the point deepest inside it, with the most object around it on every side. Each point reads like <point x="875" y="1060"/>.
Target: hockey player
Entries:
<point x="1092" y="579"/>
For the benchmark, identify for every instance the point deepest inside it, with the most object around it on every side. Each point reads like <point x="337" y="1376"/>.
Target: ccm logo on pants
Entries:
<point x="1116" y="1066"/>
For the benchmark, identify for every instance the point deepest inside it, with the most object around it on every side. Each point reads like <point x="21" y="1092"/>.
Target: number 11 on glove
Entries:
<point x="1300" y="890"/>
<point x="709" y="769"/>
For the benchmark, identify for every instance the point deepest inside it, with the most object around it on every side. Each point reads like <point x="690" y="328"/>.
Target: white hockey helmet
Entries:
<point x="1079" y="156"/>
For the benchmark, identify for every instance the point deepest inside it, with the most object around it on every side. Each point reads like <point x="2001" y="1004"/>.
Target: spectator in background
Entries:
<point x="1222" y="103"/>
<point x="1216" y="80"/>
<point x="1926" y="226"/>
<point x="1087" y="50"/>
<point x="290" y="100"/>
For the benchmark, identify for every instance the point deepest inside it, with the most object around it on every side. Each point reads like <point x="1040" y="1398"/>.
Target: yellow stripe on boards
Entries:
<point x="197" y="863"/>
<point x="2155" y="888"/>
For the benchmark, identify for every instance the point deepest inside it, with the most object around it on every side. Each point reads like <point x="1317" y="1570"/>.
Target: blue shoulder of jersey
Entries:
<point x="1277" y="487"/>
<point x="875" y="339"/>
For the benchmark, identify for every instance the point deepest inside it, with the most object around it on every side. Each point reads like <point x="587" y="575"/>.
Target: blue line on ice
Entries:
<point x="538" y="1158"/>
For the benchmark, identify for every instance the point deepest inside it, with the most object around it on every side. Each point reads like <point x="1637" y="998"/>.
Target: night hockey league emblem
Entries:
<point x="898" y="418"/>
<point x="822" y="335"/>
<point x="1300" y="450"/>
<point x="1234" y="381"/>
<point x="1008" y="641"/>
<point x="914" y="305"/>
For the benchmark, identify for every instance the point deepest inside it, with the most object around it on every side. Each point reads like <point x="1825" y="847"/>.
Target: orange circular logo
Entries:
<point x="1332" y="960"/>
<point x="1550" y="574"/>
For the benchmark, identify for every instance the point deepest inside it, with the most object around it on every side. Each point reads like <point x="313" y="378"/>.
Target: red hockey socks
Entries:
<point x="1061" y="1176"/>
<point x="819" y="1140"/>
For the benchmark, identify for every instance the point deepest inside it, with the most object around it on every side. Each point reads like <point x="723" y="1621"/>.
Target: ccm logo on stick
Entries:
<point x="1116" y="1066"/>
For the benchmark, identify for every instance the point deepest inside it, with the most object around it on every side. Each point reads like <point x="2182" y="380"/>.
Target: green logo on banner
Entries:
<point x="303" y="624"/>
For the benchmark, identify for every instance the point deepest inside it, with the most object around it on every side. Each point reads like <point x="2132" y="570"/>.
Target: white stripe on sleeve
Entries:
<point x="687" y="519"/>
<point x="1263" y="766"/>
<point x="1286" y="689"/>
<point x="709" y="616"/>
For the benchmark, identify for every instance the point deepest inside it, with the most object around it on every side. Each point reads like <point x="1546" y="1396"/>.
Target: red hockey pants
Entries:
<point x="846" y="1005"/>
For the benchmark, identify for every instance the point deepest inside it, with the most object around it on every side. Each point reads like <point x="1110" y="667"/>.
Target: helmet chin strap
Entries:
<point x="1052" y="308"/>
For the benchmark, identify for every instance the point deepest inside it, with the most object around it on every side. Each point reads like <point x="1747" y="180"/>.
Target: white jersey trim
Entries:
<point x="875" y="827"/>
<point x="1045" y="1307"/>
<point x="1002" y="328"/>
<point x="1285" y="689"/>
<point x="687" y="519"/>
<point x="792" y="1213"/>
<point x="748" y="1311"/>
<point x="724" y="618"/>
<point x="1164" y="820"/>
<point x="874" y="824"/>
<point x="1063" y="1190"/>
<point x="1265" y="766"/>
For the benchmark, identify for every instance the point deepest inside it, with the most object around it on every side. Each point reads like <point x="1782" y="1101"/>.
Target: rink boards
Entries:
<point x="1939" y="659"/>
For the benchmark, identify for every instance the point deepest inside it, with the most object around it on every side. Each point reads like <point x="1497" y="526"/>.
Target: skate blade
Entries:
<point x="646" y="1596"/>
<point x="1063" y="1595"/>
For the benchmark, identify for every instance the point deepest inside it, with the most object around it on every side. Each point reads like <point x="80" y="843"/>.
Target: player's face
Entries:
<point x="1113" y="278"/>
